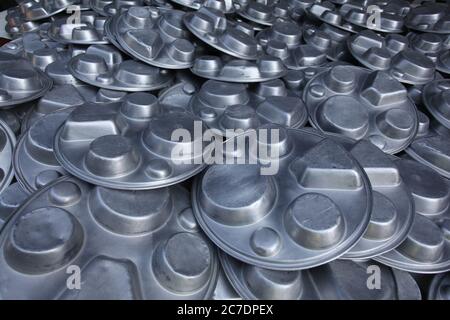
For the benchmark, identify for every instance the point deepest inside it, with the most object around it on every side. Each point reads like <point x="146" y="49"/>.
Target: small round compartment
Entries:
<point x="43" y="240"/>
<point x="182" y="263"/>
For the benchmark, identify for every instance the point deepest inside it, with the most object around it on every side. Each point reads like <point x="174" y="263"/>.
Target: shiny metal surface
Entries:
<point x="212" y="27"/>
<point x="127" y="145"/>
<point x="338" y="280"/>
<point x="105" y="67"/>
<point x="359" y="103"/>
<point x="224" y="68"/>
<point x="155" y="36"/>
<point x="293" y="219"/>
<point x="71" y="223"/>
<point x="89" y="30"/>
<point x="20" y="82"/>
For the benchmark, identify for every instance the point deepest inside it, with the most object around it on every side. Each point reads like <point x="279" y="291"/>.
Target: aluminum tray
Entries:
<point x="311" y="211"/>
<point x="427" y="246"/>
<point x="362" y="104"/>
<point x="225" y="68"/>
<point x="392" y="53"/>
<point x="131" y="245"/>
<point x="439" y="287"/>
<point x="128" y="145"/>
<point x="20" y="82"/>
<point x="432" y="147"/>
<point x="37" y="10"/>
<point x="156" y="37"/>
<point x="10" y="199"/>
<point x="338" y="280"/>
<point x="211" y="26"/>
<point x="88" y="31"/>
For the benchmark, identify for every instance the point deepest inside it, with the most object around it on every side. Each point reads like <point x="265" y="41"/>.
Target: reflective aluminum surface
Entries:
<point x="427" y="246"/>
<point x="283" y="41"/>
<point x="440" y="287"/>
<point x="7" y="144"/>
<point x="223" y="106"/>
<point x="432" y="147"/>
<point x="128" y="145"/>
<point x="89" y="30"/>
<point x="37" y="10"/>
<point x="34" y="162"/>
<point x="20" y="82"/>
<point x="362" y="104"/>
<point x="311" y="210"/>
<point x="224" y="68"/>
<point x="10" y="199"/>
<point x="337" y="280"/>
<point x="433" y="17"/>
<point x="155" y="36"/>
<point x="392" y="53"/>
<point x="105" y="67"/>
<point x="71" y="224"/>
<point x="212" y="27"/>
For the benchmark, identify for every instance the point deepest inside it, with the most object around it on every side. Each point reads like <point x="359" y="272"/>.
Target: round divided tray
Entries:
<point x="440" y="287"/>
<point x="66" y="96"/>
<point x="305" y="204"/>
<point x="226" y="6"/>
<point x="430" y="44"/>
<point x="179" y="95"/>
<point x="328" y="13"/>
<point x="328" y="39"/>
<point x="10" y="199"/>
<point x="129" y="145"/>
<point x="426" y="249"/>
<point x="443" y="62"/>
<point x="227" y="106"/>
<point x="362" y="104"/>
<point x="283" y="41"/>
<point x="430" y="191"/>
<point x="433" y="17"/>
<point x="98" y="6"/>
<point x="71" y="225"/>
<point x="392" y="204"/>
<point x="211" y="26"/>
<point x="88" y="31"/>
<point x="431" y="147"/>
<point x="392" y="53"/>
<point x="104" y="66"/>
<point x="16" y="23"/>
<point x="37" y="10"/>
<point x="20" y="82"/>
<point x="337" y="280"/>
<point x="265" y="13"/>
<point x="155" y="36"/>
